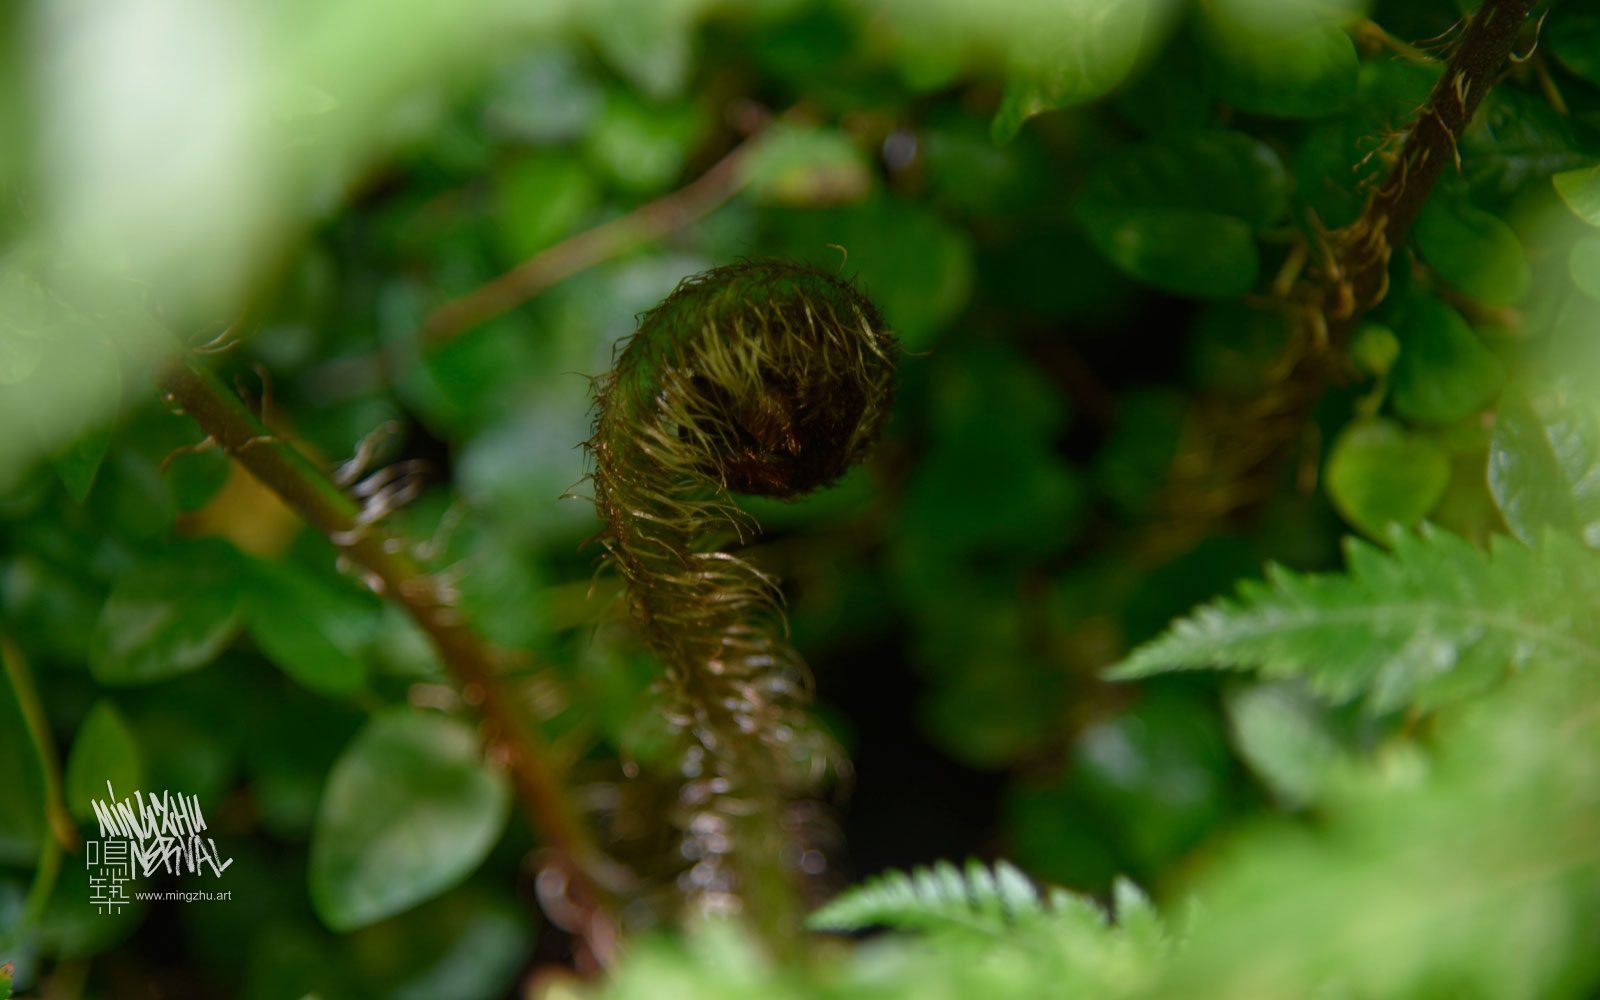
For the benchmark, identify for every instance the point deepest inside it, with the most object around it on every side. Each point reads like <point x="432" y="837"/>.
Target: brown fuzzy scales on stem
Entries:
<point x="769" y="378"/>
<point x="1232" y="468"/>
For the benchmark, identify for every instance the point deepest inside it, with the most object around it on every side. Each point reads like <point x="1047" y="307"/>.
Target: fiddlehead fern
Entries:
<point x="769" y="378"/>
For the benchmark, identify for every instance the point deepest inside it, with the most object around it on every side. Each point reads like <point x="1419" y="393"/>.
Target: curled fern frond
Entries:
<point x="769" y="378"/>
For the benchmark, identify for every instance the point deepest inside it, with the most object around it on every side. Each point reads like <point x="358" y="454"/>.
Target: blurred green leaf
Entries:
<point x="1283" y="734"/>
<point x="103" y="751"/>
<point x="1474" y="251"/>
<point x="977" y="489"/>
<point x="1516" y="139"/>
<point x="72" y="927"/>
<point x="1583" y="265"/>
<point x="1179" y="213"/>
<point x="1430" y="849"/>
<point x="618" y="684"/>
<point x="540" y="199"/>
<point x="913" y="265"/>
<point x="28" y="323"/>
<point x="1300" y="67"/>
<point x="1380" y="475"/>
<point x="310" y="629"/>
<point x="1444" y="373"/>
<point x="1544" y="465"/>
<point x="1158" y="773"/>
<point x="547" y="96"/>
<point x="975" y="494"/>
<point x="78" y="461"/>
<point x="409" y="811"/>
<point x="287" y="777"/>
<point x="1580" y="189"/>
<point x="20" y="356"/>
<point x="1198" y="254"/>
<point x="648" y="43"/>
<point x="1172" y="93"/>
<point x="1054" y="834"/>
<point x="1375" y="348"/>
<point x="1229" y="173"/>
<point x="808" y="45"/>
<point x="1076" y="62"/>
<point x="1574" y="36"/>
<point x="642" y="147"/>
<point x="968" y="173"/>
<point x="996" y="701"/>
<point x="466" y="945"/>
<point x="189" y="728"/>
<point x="168" y="613"/>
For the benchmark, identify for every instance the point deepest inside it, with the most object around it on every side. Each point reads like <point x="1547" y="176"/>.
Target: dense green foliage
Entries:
<point x="1250" y="618"/>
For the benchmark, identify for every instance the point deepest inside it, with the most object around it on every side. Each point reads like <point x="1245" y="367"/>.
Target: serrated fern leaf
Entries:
<point x="930" y="898"/>
<point x="993" y="920"/>
<point x="998" y="901"/>
<point x="1429" y="621"/>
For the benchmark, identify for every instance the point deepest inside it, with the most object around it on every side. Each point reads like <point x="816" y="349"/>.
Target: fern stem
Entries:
<point x="768" y="378"/>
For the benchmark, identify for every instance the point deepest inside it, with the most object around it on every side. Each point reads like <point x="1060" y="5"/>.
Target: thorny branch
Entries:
<point x="1228" y="474"/>
<point x="1359" y="275"/>
<point x="391" y="570"/>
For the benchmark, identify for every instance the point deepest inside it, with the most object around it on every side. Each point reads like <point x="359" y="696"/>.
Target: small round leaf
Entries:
<point x="1474" y="251"/>
<point x="1379" y="474"/>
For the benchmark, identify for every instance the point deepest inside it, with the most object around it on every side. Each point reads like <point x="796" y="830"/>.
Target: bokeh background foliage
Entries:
<point x="1082" y="219"/>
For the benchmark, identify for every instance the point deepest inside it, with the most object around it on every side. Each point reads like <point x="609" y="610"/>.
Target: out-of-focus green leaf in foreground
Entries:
<point x="1471" y="869"/>
<point x="1391" y="895"/>
<point x="1544" y="465"/>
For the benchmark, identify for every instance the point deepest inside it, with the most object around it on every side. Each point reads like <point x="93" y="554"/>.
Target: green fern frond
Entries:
<point x="1429" y="621"/>
<point x="998" y="902"/>
<point x="1000" y="935"/>
<point x="930" y="898"/>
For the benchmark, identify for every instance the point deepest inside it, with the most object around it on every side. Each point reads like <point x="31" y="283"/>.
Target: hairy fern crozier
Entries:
<point x="767" y="378"/>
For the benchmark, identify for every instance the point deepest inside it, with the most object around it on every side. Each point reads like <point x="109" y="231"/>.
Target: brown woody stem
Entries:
<point x="1429" y="147"/>
<point x="1231" y="472"/>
